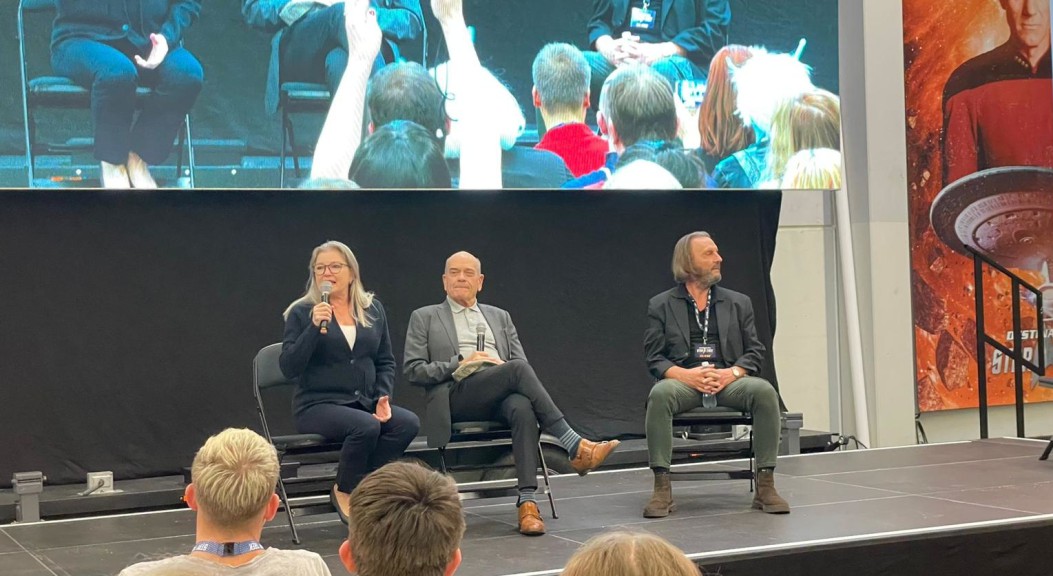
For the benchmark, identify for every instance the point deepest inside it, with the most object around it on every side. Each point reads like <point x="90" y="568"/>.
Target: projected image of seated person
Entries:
<point x="113" y="47"/>
<point x="310" y="42"/>
<point x="677" y="38"/>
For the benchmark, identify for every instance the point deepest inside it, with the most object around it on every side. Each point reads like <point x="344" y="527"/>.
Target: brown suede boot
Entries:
<point x="767" y="498"/>
<point x="661" y="503"/>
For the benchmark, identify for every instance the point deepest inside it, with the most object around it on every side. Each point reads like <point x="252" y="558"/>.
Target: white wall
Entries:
<point x="810" y="349"/>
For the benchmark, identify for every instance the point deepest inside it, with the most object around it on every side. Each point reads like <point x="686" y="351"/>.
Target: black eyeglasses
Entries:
<point x="335" y="268"/>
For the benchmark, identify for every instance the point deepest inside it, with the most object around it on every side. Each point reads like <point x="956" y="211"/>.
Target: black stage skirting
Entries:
<point x="130" y="320"/>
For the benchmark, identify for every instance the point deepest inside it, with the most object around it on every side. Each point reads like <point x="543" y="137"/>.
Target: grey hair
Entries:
<point x="683" y="265"/>
<point x="357" y="295"/>
<point x="562" y="76"/>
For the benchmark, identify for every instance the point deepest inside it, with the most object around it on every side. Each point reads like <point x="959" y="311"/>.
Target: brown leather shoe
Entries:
<point x="530" y="522"/>
<point x="591" y="455"/>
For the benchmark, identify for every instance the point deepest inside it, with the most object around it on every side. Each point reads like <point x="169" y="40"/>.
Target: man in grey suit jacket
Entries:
<point x="314" y="47"/>
<point x="468" y="357"/>
<point x="702" y="347"/>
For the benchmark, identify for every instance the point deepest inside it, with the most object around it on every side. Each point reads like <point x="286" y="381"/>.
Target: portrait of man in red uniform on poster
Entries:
<point x="979" y="113"/>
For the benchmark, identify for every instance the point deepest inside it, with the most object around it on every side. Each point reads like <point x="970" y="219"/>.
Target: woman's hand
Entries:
<point x="157" y="53"/>
<point x="383" y="411"/>
<point x="321" y="311"/>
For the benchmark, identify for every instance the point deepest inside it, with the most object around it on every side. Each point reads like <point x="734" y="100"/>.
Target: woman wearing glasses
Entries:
<point x="336" y="343"/>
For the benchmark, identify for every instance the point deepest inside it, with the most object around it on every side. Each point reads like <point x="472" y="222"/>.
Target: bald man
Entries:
<point x="468" y="382"/>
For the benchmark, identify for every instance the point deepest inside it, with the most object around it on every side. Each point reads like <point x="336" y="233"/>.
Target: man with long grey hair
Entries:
<point x="702" y="348"/>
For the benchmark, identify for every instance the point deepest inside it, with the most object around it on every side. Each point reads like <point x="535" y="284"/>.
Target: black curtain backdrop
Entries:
<point x="129" y="321"/>
<point x="509" y="34"/>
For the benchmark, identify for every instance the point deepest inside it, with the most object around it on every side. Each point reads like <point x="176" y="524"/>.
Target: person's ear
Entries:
<point x="601" y="121"/>
<point x="190" y="496"/>
<point x="272" y="508"/>
<point x="372" y="128"/>
<point x="536" y="96"/>
<point x="346" y="558"/>
<point x="588" y="100"/>
<point x="455" y="562"/>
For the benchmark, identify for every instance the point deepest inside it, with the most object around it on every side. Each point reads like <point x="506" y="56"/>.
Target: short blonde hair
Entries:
<point x="629" y="554"/>
<point x="811" y="120"/>
<point x="818" y="169"/>
<point x="234" y="475"/>
<point x="683" y="263"/>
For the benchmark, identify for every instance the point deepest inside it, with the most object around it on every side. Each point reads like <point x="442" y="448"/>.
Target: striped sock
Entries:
<point x="568" y="438"/>
<point x="526" y="495"/>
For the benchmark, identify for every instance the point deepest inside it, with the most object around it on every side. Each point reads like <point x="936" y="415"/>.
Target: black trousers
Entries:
<point x="110" y="73"/>
<point x="368" y="443"/>
<point x="315" y="48"/>
<point x="513" y="394"/>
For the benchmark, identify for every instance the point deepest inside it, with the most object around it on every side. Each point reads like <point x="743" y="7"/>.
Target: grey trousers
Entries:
<point x="755" y="395"/>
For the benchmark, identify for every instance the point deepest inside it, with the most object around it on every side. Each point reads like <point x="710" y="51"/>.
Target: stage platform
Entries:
<point x="979" y="507"/>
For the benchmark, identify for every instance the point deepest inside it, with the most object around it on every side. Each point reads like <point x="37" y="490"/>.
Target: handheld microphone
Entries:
<point x="480" y="337"/>
<point x="326" y="287"/>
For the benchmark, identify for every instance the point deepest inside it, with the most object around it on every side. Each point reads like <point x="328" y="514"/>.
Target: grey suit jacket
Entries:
<point x="667" y="341"/>
<point x="431" y="358"/>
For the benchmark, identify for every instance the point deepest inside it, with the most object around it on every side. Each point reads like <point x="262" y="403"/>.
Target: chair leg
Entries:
<point x="285" y="142"/>
<point x="30" y="139"/>
<point x="548" y="485"/>
<point x="288" y="509"/>
<point x="292" y="148"/>
<point x="753" y="469"/>
<point x="1049" y="448"/>
<point x="442" y="459"/>
<point x="189" y="153"/>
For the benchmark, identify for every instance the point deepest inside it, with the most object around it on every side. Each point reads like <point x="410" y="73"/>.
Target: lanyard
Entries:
<point x="228" y="548"/>
<point x="698" y="320"/>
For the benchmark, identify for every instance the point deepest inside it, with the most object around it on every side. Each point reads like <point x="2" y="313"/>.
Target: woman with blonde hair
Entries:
<point x="337" y="347"/>
<point x="813" y="169"/>
<point x="810" y="121"/>
<point x="722" y="130"/>
<point x="629" y="554"/>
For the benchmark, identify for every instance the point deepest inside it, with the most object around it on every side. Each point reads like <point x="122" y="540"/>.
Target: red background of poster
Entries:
<point x="938" y="37"/>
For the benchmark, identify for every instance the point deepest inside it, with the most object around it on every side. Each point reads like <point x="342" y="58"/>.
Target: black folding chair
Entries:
<point x="470" y="434"/>
<point x="717" y="416"/>
<point x="58" y="92"/>
<point x="266" y="375"/>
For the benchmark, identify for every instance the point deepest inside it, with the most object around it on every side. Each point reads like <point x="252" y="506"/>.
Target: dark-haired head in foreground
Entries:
<point x="405" y="519"/>
<point x="687" y="168"/>
<point x="400" y="154"/>
<point x="405" y="91"/>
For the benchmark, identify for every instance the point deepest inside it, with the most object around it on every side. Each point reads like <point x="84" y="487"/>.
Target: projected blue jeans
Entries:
<point x="108" y="71"/>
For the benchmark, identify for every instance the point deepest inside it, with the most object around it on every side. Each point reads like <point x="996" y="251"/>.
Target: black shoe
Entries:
<point x="336" y="506"/>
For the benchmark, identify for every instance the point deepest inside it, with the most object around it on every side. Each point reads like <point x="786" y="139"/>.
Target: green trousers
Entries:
<point x="754" y="395"/>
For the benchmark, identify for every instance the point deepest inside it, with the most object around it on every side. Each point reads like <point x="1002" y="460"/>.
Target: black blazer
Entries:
<point x="698" y="26"/>
<point x="328" y="370"/>
<point x="667" y="341"/>
<point x="107" y="20"/>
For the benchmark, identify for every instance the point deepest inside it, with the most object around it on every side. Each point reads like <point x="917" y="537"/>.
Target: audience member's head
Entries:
<point x="687" y="168"/>
<point x="405" y="91"/>
<point x="637" y="104"/>
<point x="561" y="83"/>
<point x="327" y="184"/>
<point x="642" y="175"/>
<point x="722" y="131"/>
<point x="400" y="154"/>
<point x="405" y="519"/>
<point x="501" y="111"/>
<point x="234" y="475"/>
<point x="811" y="120"/>
<point x="629" y="554"/>
<point x="763" y="82"/>
<point x="813" y="169"/>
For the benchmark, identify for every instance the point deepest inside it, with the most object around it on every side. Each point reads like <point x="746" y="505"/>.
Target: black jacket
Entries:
<point x="328" y="370"/>
<point x="108" y="20"/>
<point x="667" y="341"/>
<point x="698" y="26"/>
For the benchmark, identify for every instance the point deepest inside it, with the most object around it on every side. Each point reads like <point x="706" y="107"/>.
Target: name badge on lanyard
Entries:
<point x="643" y="18"/>
<point x="704" y="351"/>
